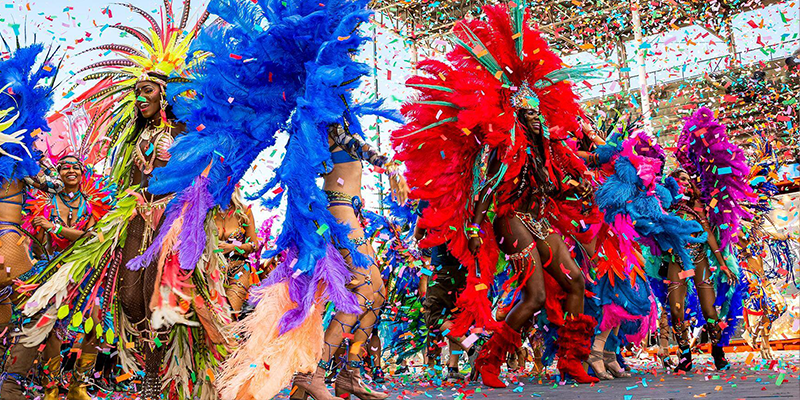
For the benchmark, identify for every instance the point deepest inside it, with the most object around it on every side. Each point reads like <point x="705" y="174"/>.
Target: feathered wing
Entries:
<point x="314" y="74"/>
<point x="706" y="153"/>
<point x="25" y="99"/>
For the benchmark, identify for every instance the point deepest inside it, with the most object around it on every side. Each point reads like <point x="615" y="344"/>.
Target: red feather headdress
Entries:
<point x="467" y="107"/>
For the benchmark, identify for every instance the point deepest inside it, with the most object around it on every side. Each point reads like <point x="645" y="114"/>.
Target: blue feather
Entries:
<point x="28" y="96"/>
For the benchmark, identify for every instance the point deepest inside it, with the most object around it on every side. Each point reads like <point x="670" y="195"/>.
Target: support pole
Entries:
<point x="378" y="119"/>
<point x="640" y="59"/>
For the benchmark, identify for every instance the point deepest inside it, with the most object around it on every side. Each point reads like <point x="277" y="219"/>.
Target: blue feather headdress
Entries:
<point x="25" y="99"/>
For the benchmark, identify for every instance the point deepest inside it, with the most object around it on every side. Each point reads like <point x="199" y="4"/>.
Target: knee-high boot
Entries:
<point x="681" y="332"/>
<point x="51" y="378"/>
<point x="494" y="353"/>
<point x="715" y="335"/>
<point x="574" y="346"/>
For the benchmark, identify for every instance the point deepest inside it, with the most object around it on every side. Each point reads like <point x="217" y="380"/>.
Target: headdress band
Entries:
<point x="145" y="77"/>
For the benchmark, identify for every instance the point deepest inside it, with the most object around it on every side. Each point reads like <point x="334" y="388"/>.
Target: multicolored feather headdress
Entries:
<point x="162" y="52"/>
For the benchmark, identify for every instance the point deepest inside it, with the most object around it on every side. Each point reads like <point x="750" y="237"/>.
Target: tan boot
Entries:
<point x="349" y="382"/>
<point x="19" y="364"/>
<point x="50" y="380"/>
<point x="78" y="385"/>
<point x="313" y="385"/>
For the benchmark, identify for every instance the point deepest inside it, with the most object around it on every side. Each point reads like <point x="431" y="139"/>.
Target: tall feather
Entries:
<point x="707" y="154"/>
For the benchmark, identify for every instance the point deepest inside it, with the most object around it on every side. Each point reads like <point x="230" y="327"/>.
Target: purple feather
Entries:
<point x="194" y="203"/>
<point x="705" y="152"/>
<point x="332" y="270"/>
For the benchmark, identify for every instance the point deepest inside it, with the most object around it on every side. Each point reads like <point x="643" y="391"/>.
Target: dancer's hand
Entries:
<point x="227" y="247"/>
<point x="732" y="279"/>
<point x="399" y="188"/>
<point x="42" y="222"/>
<point x="474" y="245"/>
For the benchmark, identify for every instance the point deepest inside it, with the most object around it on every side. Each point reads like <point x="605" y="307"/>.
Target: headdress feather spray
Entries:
<point x="25" y="99"/>
<point x="258" y="77"/>
<point x="463" y="111"/>
<point x="707" y="154"/>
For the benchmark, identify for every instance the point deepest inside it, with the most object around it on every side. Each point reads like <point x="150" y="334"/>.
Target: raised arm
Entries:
<point x="47" y="179"/>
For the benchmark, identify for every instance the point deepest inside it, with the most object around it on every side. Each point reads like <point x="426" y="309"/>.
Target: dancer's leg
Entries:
<point x="596" y="356"/>
<point x="707" y="296"/>
<point x="676" y="296"/>
<point x="564" y="270"/>
<point x="514" y="239"/>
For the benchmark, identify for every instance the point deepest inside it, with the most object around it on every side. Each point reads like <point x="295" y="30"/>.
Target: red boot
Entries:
<point x="493" y="354"/>
<point x="574" y="345"/>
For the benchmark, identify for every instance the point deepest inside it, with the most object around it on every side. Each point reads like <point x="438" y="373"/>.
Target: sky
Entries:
<point x="771" y="33"/>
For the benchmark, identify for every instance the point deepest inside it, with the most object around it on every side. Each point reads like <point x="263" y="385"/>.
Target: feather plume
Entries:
<point x="707" y="154"/>
<point x="267" y="360"/>
<point x="25" y="99"/>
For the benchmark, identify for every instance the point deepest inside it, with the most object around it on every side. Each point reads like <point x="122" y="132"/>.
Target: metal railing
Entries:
<point x="668" y="75"/>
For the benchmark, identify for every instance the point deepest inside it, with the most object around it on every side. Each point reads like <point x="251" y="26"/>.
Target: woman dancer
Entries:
<point x="237" y="235"/>
<point x="25" y="98"/>
<point x="501" y="111"/>
<point x="302" y="85"/>
<point x="131" y="298"/>
<point x="57" y="221"/>
<point x="718" y="166"/>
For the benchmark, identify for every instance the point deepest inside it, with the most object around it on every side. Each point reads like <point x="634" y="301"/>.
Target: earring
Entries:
<point x="163" y="103"/>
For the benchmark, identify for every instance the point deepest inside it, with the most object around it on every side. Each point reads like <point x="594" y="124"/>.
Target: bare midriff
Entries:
<point x="11" y="212"/>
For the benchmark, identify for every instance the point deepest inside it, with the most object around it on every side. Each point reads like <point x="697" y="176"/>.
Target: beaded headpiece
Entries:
<point x="525" y="98"/>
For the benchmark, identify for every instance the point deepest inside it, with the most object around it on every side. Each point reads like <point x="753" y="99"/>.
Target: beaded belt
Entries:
<point x="539" y="228"/>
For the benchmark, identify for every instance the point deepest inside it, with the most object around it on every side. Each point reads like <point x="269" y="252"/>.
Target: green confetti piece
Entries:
<point x="157" y="341"/>
<point x="88" y="325"/>
<point x="780" y="379"/>
<point x="322" y="229"/>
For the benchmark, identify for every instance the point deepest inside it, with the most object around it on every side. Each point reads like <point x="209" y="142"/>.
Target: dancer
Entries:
<point x="718" y="167"/>
<point x="237" y="235"/>
<point x="57" y="221"/>
<point x="25" y="98"/>
<point x="278" y="77"/>
<point x="130" y="299"/>
<point x="489" y="128"/>
<point x="612" y="262"/>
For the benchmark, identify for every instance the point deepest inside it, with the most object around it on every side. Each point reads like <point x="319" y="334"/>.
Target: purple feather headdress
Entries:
<point x="720" y="167"/>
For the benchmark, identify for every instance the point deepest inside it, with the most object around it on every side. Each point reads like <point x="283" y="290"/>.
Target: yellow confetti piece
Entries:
<point x="343" y="38"/>
<point x="480" y="287"/>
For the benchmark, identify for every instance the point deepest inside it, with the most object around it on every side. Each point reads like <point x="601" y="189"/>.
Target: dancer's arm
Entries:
<point x="47" y="179"/>
<point x="714" y="246"/>
<point x="481" y="207"/>
<point x="362" y="150"/>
